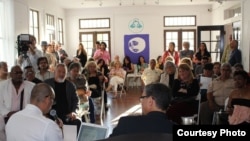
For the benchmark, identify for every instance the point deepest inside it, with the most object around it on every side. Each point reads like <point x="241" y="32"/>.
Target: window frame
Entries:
<point x="33" y="27"/>
<point x="60" y="31"/>
<point x="179" y="25"/>
<point x="94" y="20"/>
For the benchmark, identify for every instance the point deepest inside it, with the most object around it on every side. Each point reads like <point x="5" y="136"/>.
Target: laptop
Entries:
<point x="91" y="132"/>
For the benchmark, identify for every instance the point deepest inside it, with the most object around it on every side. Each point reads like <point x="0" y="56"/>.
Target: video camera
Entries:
<point x="23" y="43"/>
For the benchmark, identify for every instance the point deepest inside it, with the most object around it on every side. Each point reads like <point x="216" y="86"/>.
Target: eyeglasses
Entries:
<point x="142" y="97"/>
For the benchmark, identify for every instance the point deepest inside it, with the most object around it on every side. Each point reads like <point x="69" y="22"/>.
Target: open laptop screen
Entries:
<point x="90" y="132"/>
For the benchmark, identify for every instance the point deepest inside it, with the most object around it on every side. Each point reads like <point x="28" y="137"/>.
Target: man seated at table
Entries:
<point x="154" y="101"/>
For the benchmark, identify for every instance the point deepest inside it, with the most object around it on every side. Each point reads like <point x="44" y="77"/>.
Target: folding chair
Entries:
<point x="195" y="118"/>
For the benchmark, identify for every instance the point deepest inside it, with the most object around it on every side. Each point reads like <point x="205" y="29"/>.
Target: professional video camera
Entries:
<point x="23" y="43"/>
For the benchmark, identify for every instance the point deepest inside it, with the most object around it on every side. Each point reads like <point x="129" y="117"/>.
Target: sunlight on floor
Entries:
<point x="135" y="110"/>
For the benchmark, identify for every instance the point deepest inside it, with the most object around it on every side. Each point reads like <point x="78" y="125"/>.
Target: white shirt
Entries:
<point x="47" y="75"/>
<point x="31" y="125"/>
<point x="151" y="76"/>
<point x="32" y="59"/>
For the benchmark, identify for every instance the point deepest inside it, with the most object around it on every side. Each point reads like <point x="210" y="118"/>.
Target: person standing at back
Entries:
<point x="155" y="100"/>
<point x="31" y="124"/>
<point x="81" y="54"/>
<point x="235" y="56"/>
<point x="227" y="51"/>
<point x="186" y="52"/>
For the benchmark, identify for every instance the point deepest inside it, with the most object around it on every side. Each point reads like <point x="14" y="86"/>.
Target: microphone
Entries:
<point x="53" y="114"/>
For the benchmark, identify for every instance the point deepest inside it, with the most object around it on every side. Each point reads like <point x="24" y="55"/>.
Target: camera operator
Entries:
<point x="30" y="57"/>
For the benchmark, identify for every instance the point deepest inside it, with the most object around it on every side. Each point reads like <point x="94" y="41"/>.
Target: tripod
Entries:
<point x="26" y="60"/>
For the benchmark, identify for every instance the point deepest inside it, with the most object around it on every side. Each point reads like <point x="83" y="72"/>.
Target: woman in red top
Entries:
<point x="171" y="52"/>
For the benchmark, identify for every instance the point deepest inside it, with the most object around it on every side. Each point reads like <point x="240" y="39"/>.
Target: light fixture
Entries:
<point x="133" y="2"/>
<point x="145" y="3"/>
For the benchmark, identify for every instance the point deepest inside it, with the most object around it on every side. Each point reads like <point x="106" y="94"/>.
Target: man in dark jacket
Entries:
<point x="154" y="101"/>
<point x="66" y="100"/>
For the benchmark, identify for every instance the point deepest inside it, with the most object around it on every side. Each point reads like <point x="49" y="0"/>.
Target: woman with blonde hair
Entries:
<point x="116" y="76"/>
<point x="185" y="90"/>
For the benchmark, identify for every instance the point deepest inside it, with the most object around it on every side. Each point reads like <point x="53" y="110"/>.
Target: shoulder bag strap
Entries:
<point x="21" y="100"/>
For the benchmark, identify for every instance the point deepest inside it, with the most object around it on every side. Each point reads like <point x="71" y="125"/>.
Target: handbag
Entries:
<point x="21" y="107"/>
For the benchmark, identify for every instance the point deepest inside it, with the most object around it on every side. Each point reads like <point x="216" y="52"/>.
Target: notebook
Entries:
<point x="91" y="132"/>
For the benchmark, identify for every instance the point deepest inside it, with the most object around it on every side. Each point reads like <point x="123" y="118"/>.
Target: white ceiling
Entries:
<point x="71" y="4"/>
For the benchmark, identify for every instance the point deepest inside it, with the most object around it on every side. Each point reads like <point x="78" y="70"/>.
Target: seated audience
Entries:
<point x="239" y="96"/>
<point x="217" y="92"/>
<point x="80" y="82"/>
<point x="95" y="81"/>
<point x="116" y="76"/>
<point x="199" y="67"/>
<point x="159" y="63"/>
<point x="151" y="74"/>
<point x="127" y="65"/>
<point x="155" y="100"/>
<point x="29" y="75"/>
<point x="103" y="68"/>
<point x="241" y="115"/>
<point x="116" y="58"/>
<point x="15" y="95"/>
<point x="66" y="101"/>
<point x="141" y="64"/>
<point x="188" y="61"/>
<point x="216" y="68"/>
<point x="169" y="74"/>
<point x="43" y="69"/>
<point x="185" y="90"/>
<point x="31" y="123"/>
<point x="238" y="67"/>
<point x="207" y="74"/>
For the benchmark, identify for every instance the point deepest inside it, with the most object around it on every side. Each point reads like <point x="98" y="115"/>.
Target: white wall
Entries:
<point x="44" y="7"/>
<point x="245" y="42"/>
<point x="218" y="18"/>
<point x="152" y="17"/>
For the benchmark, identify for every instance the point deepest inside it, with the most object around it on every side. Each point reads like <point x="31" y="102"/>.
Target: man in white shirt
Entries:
<point x="30" y="57"/>
<point x="11" y="95"/>
<point x="151" y="74"/>
<point x="31" y="124"/>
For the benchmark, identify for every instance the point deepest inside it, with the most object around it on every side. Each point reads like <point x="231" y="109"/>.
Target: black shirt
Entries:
<point x="60" y="103"/>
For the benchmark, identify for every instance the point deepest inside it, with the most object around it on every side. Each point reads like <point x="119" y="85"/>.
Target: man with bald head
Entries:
<point x="235" y="56"/>
<point x="31" y="123"/>
<point x="15" y="95"/>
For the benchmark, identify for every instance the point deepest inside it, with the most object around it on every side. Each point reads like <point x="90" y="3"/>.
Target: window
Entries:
<point x="94" y="23"/>
<point x="50" y="27"/>
<point x="34" y="26"/>
<point x="60" y="30"/>
<point x="8" y="47"/>
<point x="178" y="37"/>
<point x="1" y="29"/>
<point x="88" y="40"/>
<point x="179" y="21"/>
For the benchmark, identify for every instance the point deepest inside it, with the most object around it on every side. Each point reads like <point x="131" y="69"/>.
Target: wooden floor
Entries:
<point x="122" y="106"/>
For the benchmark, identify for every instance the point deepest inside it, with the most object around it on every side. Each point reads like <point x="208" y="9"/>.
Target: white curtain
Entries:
<point x="8" y="49"/>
